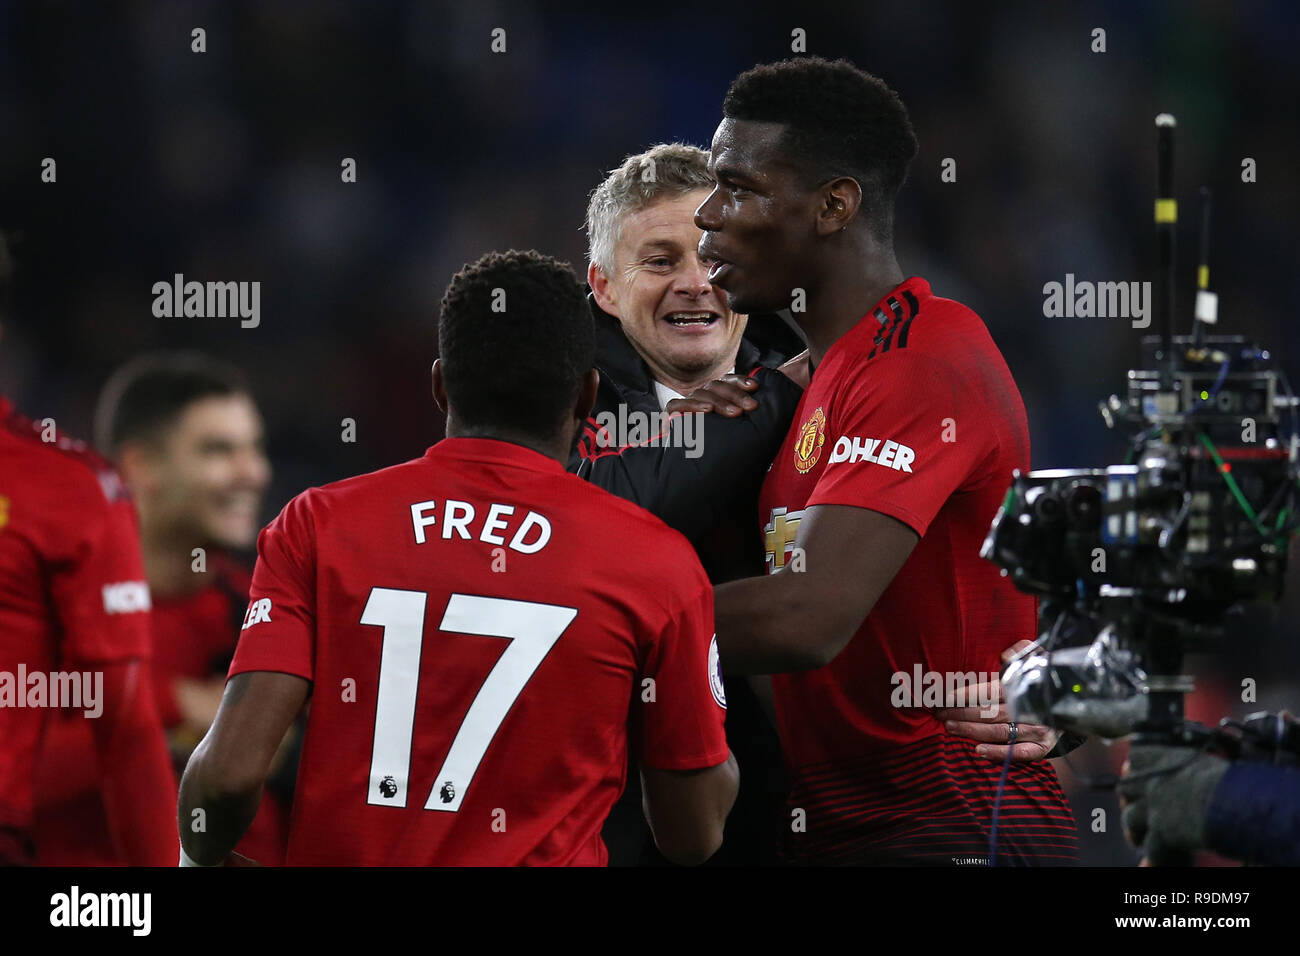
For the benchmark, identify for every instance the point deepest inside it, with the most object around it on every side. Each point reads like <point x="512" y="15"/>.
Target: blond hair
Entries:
<point x="669" y="169"/>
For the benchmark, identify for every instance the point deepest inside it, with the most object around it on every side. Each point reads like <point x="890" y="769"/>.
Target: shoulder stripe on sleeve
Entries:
<point x="885" y="337"/>
<point x="914" y="308"/>
<point x="903" y="314"/>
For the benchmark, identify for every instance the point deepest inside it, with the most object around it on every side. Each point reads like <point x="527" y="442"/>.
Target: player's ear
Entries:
<point x="439" y="386"/>
<point x="600" y="288"/>
<point x="134" y="467"/>
<point x="586" y="395"/>
<point x="840" y="201"/>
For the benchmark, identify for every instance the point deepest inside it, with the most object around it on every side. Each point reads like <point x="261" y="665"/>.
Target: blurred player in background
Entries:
<point x="876" y="505"/>
<point x="73" y="599"/>
<point x="480" y="644"/>
<point x="186" y="434"/>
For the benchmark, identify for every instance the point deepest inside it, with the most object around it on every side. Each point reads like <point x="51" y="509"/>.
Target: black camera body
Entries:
<point x="1138" y="563"/>
<point x="1196" y="522"/>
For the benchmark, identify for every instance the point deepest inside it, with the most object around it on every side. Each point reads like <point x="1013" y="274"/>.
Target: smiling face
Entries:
<point x="760" y="220"/>
<point x="660" y="292"/>
<point x="205" y="478"/>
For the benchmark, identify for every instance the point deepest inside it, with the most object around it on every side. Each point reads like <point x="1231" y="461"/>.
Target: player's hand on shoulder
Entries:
<point x="728" y="396"/>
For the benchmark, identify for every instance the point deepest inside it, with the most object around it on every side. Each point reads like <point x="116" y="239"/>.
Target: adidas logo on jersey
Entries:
<point x="891" y="454"/>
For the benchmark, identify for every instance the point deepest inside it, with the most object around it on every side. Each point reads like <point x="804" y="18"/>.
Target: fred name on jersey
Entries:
<point x="498" y="525"/>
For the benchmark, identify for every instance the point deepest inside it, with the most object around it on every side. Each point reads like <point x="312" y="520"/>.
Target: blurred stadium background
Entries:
<point x="225" y="166"/>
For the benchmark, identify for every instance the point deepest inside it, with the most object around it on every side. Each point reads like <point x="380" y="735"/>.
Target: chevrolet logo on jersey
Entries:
<point x="778" y="537"/>
<point x="878" y="451"/>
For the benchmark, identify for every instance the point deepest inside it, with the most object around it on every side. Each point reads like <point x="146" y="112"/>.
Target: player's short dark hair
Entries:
<point x="516" y="337"/>
<point x="840" y="121"/>
<point x="145" y="396"/>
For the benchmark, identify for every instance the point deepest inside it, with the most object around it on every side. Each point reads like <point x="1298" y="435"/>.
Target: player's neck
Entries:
<point x="171" y="567"/>
<point x="848" y="291"/>
<point x="551" y="449"/>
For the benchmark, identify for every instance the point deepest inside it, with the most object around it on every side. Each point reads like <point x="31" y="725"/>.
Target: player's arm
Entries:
<point x="687" y="809"/>
<point x="689" y="776"/>
<point x="136" y="777"/>
<point x="797" y="620"/>
<point x="270" y="679"/>
<point x="102" y="601"/>
<point x="223" y="781"/>
<point x="862" y="519"/>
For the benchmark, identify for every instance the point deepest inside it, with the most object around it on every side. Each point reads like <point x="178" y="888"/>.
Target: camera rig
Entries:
<point x="1139" y="563"/>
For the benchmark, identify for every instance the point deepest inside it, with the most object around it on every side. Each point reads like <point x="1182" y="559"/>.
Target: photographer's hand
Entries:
<point x="1165" y="795"/>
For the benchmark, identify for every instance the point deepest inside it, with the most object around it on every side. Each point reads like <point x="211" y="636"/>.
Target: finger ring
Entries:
<point x="1012" y="730"/>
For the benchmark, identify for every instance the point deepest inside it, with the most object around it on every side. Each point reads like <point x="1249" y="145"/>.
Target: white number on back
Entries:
<point x="532" y="630"/>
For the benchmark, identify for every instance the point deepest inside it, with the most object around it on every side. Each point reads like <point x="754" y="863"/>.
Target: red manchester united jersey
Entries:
<point x="72" y="592"/>
<point x="193" y="637"/>
<point x="914" y="414"/>
<point x="195" y="634"/>
<point x="486" y="636"/>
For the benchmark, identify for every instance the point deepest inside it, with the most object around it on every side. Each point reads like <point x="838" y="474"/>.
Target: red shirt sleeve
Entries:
<point x="682" y="722"/>
<point x="905" y="435"/>
<point x="279" y="630"/>
<point x="98" y="585"/>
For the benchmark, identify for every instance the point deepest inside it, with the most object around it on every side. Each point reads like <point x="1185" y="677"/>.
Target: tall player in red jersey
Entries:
<point x="479" y="644"/>
<point x="874" y="509"/>
<point x="74" y="603"/>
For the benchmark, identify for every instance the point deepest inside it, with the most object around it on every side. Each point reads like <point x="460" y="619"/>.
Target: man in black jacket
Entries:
<point x="662" y="331"/>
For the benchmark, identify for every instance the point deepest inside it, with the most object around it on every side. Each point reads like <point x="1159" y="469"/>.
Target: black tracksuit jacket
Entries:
<point x="713" y="500"/>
